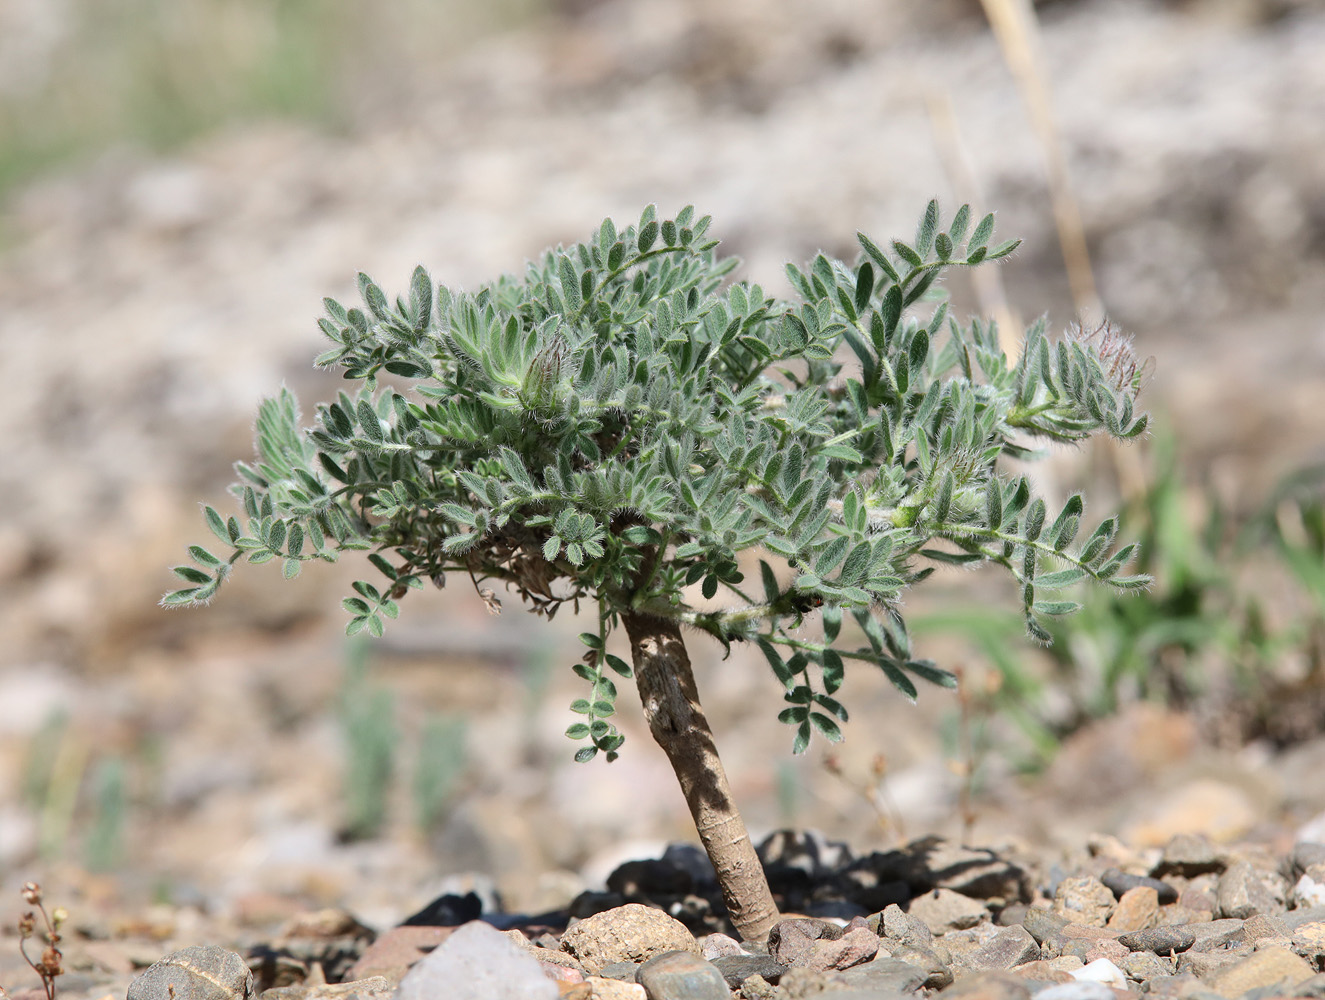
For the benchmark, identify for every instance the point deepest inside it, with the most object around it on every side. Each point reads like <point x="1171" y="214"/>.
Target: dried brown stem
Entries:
<point x="676" y="719"/>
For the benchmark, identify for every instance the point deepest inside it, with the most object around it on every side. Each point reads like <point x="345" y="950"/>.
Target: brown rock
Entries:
<point x="852" y="948"/>
<point x="1309" y="940"/>
<point x="792" y="941"/>
<point x="1144" y="966"/>
<point x="1270" y="967"/>
<point x="561" y="973"/>
<point x="1264" y="926"/>
<point x="1244" y="892"/>
<point x="757" y="988"/>
<point x="717" y="945"/>
<point x="1011" y="946"/>
<point x="614" y="989"/>
<point x="1160" y="940"/>
<point x="957" y="946"/>
<point x="1092" y="949"/>
<point x="1188" y="855"/>
<point x="1176" y="987"/>
<point x="989" y="986"/>
<point x="546" y="956"/>
<point x="202" y="972"/>
<point x="374" y="988"/>
<point x="943" y="910"/>
<point x="937" y="973"/>
<point x="1214" y="934"/>
<point x="1204" y="964"/>
<point x="895" y="924"/>
<point x="392" y="954"/>
<point x="1043" y="923"/>
<point x="328" y="923"/>
<point x="1043" y="970"/>
<point x="630" y="933"/>
<point x="1084" y="900"/>
<point x="682" y="974"/>
<point x="1137" y="909"/>
<point x="884" y="976"/>
<point x="1088" y="933"/>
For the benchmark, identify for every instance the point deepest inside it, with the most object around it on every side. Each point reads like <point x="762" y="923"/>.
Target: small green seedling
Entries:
<point x="622" y="423"/>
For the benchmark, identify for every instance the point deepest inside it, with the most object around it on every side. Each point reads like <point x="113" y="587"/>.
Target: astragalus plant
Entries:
<point x="623" y="428"/>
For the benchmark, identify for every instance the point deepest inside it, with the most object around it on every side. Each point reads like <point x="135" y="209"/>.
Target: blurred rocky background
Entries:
<point x="181" y="184"/>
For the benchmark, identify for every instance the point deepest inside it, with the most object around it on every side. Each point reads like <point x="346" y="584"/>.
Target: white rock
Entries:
<point x="1307" y="893"/>
<point x="477" y="962"/>
<point x="1312" y="831"/>
<point x="1101" y="971"/>
<point x="1084" y="989"/>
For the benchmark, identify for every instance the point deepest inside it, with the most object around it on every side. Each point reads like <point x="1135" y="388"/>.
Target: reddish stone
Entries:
<point x="561" y="973"/>
<point x="394" y="952"/>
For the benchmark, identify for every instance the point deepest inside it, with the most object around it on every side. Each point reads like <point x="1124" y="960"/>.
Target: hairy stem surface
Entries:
<point x="676" y="719"/>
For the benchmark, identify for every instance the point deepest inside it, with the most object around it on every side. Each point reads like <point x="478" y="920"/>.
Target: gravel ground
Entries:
<point x="149" y="303"/>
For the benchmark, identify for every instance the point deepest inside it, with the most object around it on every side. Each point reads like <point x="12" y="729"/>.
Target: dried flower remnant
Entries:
<point x="52" y="961"/>
<point x="1117" y="357"/>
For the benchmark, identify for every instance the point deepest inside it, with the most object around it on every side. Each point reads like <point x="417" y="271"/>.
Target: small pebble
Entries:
<point x="1119" y="882"/>
<point x="716" y="945"/>
<point x="757" y="988"/>
<point x="896" y="924"/>
<point x="623" y="971"/>
<point x="1043" y="923"/>
<point x="1010" y="946"/>
<point x="1188" y="855"/>
<point x="736" y="969"/>
<point x="1101" y="971"/>
<point x="1084" y="900"/>
<point x="1308" y="892"/>
<point x="1214" y="934"/>
<point x="1243" y="891"/>
<point x="1082" y="990"/>
<point x="682" y="975"/>
<point x="943" y="910"/>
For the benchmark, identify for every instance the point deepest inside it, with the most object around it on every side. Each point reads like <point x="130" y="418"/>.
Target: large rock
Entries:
<point x="630" y="933"/>
<point x="202" y="972"/>
<point x="477" y="962"/>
